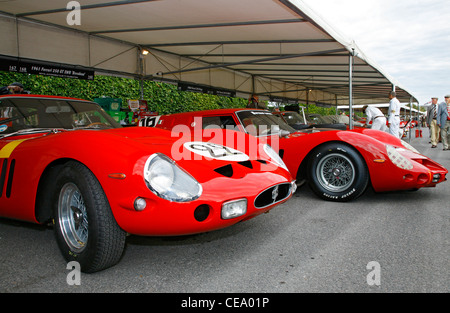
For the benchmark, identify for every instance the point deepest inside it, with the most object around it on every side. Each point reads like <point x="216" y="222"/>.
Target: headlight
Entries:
<point x="234" y="209"/>
<point x="274" y="156"/>
<point x="409" y="147"/>
<point x="398" y="159"/>
<point x="168" y="181"/>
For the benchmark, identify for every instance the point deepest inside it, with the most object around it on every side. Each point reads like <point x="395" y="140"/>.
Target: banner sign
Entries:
<point x="284" y="100"/>
<point x="323" y="105"/>
<point x="206" y="89"/>
<point x="11" y="64"/>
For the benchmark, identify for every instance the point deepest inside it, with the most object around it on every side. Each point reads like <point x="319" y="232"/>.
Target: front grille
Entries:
<point x="273" y="195"/>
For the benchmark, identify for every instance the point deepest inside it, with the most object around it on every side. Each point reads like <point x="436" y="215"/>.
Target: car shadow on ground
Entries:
<point x="370" y="196"/>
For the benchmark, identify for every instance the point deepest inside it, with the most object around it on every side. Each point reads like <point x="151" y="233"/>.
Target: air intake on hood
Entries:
<point x="226" y="170"/>
<point x="247" y="164"/>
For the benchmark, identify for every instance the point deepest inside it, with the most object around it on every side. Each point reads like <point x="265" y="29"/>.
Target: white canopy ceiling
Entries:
<point x="273" y="48"/>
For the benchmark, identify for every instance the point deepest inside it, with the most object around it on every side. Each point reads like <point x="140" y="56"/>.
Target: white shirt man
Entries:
<point x="394" y="115"/>
<point x="374" y="114"/>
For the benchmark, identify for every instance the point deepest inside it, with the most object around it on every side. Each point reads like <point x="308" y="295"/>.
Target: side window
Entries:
<point x="224" y="122"/>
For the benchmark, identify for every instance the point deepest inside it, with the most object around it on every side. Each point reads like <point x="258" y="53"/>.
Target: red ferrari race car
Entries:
<point x="339" y="165"/>
<point x="65" y="160"/>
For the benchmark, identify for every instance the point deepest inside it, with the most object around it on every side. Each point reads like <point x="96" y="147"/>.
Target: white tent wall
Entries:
<point x="8" y="29"/>
<point x="33" y="40"/>
<point x="113" y="56"/>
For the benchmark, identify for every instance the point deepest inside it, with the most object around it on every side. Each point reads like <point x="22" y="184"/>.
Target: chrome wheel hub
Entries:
<point x="73" y="218"/>
<point x="335" y="172"/>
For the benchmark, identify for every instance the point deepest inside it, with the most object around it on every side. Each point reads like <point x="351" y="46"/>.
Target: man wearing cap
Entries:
<point x="443" y="121"/>
<point x="17" y="88"/>
<point x="432" y="122"/>
<point x="394" y="115"/>
<point x="379" y="120"/>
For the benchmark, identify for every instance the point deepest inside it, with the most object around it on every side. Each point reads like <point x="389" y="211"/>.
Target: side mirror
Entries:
<point x="284" y="133"/>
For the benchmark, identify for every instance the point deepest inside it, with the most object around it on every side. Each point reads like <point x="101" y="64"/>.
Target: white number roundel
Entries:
<point x="215" y="151"/>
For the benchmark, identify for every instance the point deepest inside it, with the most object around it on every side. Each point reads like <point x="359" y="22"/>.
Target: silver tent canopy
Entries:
<point x="272" y="48"/>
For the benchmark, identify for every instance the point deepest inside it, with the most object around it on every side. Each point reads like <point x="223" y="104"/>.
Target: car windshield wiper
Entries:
<point x="95" y="126"/>
<point x="28" y="131"/>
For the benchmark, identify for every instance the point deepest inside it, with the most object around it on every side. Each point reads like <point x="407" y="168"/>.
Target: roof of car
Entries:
<point x="216" y="111"/>
<point x="39" y="96"/>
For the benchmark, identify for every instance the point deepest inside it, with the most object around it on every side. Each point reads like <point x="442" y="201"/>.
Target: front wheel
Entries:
<point x="85" y="228"/>
<point x="337" y="172"/>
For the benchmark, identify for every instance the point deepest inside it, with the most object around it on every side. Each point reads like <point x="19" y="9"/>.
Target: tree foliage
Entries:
<point x="161" y="97"/>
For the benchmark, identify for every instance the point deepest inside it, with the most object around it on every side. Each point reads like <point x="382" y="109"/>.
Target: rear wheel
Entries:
<point x="337" y="172"/>
<point x="85" y="228"/>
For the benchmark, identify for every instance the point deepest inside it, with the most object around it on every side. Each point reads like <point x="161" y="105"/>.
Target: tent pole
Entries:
<point x="410" y="118"/>
<point x="141" y="60"/>
<point x="350" y="82"/>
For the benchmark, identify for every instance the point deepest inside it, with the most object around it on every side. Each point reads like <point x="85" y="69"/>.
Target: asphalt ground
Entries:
<point x="305" y="245"/>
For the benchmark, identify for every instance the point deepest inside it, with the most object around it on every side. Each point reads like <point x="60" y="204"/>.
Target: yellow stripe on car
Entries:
<point x="8" y="149"/>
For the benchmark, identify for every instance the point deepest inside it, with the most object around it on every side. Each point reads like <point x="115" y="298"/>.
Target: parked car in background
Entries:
<point x="339" y="165"/>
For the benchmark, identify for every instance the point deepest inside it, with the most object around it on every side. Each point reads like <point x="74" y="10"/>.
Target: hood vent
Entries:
<point x="226" y="170"/>
<point x="247" y="164"/>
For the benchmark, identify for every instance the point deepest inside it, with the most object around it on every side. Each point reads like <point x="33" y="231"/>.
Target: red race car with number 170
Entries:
<point x="338" y="164"/>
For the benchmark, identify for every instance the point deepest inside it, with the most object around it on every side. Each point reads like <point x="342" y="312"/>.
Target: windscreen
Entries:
<point x="293" y="118"/>
<point x="261" y="123"/>
<point x="17" y="114"/>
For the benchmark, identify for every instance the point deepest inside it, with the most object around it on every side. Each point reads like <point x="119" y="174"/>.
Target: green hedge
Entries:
<point x="163" y="98"/>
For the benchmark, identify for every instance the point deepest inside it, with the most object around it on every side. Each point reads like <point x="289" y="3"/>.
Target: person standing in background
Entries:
<point x="379" y="120"/>
<point x="443" y="121"/>
<point x="14" y="88"/>
<point x="394" y="115"/>
<point x="432" y="122"/>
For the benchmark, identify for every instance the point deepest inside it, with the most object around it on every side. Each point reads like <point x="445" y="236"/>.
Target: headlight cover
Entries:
<point x="409" y="147"/>
<point x="168" y="181"/>
<point x="274" y="156"/>
<point x="398" y="159"/>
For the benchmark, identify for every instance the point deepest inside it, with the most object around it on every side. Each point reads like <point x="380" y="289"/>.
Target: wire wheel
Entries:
<point x="73" y="219"/>
<point x="335" y="172"/>
<point x="85" y="228"/>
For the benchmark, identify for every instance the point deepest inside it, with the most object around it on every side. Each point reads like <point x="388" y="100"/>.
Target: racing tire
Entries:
<point x="337" y="172"/>
<point x="85" y="228"/>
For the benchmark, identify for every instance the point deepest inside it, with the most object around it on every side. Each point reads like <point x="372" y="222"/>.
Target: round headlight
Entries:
<point x="398" y="159"/>
<point x="168" y="181"/>
<point x="274" y="156"/>
<point x="160" y="175"/>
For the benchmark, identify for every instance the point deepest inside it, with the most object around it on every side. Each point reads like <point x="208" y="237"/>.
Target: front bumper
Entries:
<point x="208" y="213"/>
<point x="424" y="173"/>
